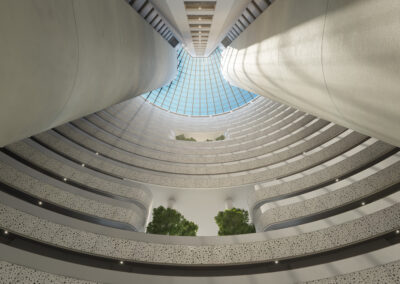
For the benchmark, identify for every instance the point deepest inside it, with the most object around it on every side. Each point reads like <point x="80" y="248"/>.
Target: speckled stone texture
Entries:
<point x="135" y="216"/>
<point x="328" y="201"/>
<point x="272" y="131"/>
<point x="383" y="274"/>
<point x="189" y="163"/>
<point x="77" y="173"/>
<point x="199" y="179"/>
<point x="326" y="173"/>
<point x="255" y="114"/>
<point x="230" y="253"/>
<point x="12" y="274"/>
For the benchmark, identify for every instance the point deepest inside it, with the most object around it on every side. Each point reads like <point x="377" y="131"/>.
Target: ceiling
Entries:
<point x="201" y="25"/>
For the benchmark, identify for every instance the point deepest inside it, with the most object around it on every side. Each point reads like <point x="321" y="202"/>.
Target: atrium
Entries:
<point x="286" y="112"/>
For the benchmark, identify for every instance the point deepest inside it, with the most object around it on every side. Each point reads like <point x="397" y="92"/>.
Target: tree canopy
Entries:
<point x="183" y="138"/>
<point x="167" y="221"/>
<point x="234" y="222"/>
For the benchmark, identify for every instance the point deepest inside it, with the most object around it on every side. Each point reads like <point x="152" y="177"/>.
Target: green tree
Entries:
<point x="183" y="138"/>
<point x="167" y="221"/>
<point x="234" y="222"/>
<point x="219" y="138"/>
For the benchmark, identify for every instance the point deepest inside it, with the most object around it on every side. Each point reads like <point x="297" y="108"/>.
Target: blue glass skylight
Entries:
<point x="199" y="88"/>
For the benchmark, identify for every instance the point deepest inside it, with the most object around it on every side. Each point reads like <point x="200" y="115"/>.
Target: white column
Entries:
<point x="61" y="60"/>
<point x="336" y="59"/>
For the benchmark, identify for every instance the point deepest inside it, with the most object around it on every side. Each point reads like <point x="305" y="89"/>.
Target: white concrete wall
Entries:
<point x="336" y="59"/>
<point x="61" y="60"/>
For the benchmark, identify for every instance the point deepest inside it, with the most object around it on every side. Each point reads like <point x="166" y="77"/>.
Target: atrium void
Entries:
<point x="200" y="141"/>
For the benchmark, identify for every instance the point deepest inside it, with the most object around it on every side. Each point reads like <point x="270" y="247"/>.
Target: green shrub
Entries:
<point x="209" y="140"/>
<point x="234" y="222"/>
<point x="167" y="221"/>
<point x="183" y="138"/>
<point x="219" y="138"/>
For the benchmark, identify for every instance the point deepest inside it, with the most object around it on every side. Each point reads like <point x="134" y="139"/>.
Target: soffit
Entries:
<point x="201" y="25"/>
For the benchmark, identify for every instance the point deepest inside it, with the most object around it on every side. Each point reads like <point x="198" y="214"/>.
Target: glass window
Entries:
<point x="199" y="88"/>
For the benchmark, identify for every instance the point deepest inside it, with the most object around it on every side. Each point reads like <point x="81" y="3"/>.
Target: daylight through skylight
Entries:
<point x="199" y="88"/>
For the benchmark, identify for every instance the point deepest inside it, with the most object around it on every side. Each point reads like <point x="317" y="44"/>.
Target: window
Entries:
<point x="199" y="88"/>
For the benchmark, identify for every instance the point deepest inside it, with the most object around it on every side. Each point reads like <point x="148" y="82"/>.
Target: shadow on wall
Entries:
<point x="294" y="17"/>
<point x="335" y="59"/>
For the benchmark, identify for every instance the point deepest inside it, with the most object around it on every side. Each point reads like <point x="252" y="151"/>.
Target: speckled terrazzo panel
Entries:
<point x="122" y="115"/>
<point x="328" y="172"/>
<point x="144" y="150"/>
<point x="51" y="194"/>
<point x="199" y="177"/>
<point x="330" y="200"/>
<point x="303" y="244"/>
<point x="76" y="173"/>
<point x="210" y="148"/>
<point x="270" y="116"/>
<point x="155" y="133"/>
<point x="294" y="121"/>
<point x="184" y="166"/>
<point x="136" y="154"/>
<point x="12" y="273"/>
<point x="136" y="134"/>
<point x="383" y="274"/>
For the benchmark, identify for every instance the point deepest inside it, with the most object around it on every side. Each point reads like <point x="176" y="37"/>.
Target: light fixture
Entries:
<point x="65" y="179"/>
<point x="276" y="261"/>
<point x="200" y="8"/>
<point x="363" y="203"/>
<point x="5" y="232"/>
<point x="40" y="203"/>
<point x="199" y="26"/>
<point x="121" y="262"/>
<point x="200" y="19"/>
<point x="397" y="231"/>
<point x="337" y="180"/>
<point x="83" y="165"/>
<point x="97" y="153"/>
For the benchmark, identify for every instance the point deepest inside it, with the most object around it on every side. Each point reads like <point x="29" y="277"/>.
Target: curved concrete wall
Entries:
<point x="336" y="59"/>
<point x="61" y="60"/>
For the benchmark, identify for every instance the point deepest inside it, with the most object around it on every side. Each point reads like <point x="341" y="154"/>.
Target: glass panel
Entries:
<point x="199" y="88"/>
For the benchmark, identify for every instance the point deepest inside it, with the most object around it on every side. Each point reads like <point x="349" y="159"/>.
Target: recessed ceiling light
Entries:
<point x="40" y="202"/>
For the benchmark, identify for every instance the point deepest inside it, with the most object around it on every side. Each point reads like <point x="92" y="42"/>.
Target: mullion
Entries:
<point x="188" y="75"/>
<point x="216" y="71"/>
<point x="222" y="83"/>
<point x="209" y="77"/>
<point x="177" y="80"/>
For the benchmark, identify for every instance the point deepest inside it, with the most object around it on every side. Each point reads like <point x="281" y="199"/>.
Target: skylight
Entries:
<point x="199" y="88"/>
